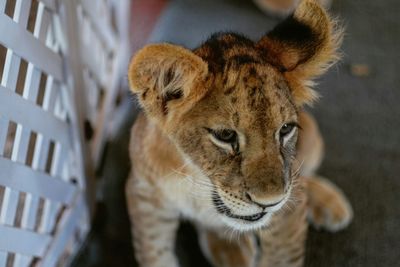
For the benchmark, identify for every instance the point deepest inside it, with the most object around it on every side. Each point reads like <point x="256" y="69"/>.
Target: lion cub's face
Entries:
<point x="242" y="135"/>
<point x="231" y="106"/>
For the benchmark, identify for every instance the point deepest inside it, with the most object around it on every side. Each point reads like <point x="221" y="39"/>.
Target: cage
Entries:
<point x="61" y="66"/>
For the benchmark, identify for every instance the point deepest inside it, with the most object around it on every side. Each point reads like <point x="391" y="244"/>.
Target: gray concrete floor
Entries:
<point x="359" y="116"/>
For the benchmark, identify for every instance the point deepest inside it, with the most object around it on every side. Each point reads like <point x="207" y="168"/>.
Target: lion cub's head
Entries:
<point x="231" y="106"/>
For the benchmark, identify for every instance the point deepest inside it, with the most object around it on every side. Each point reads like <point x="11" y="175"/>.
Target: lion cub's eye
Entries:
<point x="286" y="129"/>
<point x="225" y="138"/>
<point x="225" y="135"/>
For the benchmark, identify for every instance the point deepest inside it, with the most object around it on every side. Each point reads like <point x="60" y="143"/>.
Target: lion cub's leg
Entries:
<point x="328" y="207"/>
<point x="153" y="225"/>
<point x="222" y="251"/>
<point x="282" y="243"/>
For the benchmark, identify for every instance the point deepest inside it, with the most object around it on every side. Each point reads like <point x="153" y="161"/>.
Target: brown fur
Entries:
<point x="180" y="165"/>
<point x="306" y="51"/>
<point x="235" y="252"/>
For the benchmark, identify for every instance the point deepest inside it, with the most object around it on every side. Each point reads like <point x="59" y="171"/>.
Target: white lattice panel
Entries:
<point x="61" y="64"/>
<point x="104" y="52"/>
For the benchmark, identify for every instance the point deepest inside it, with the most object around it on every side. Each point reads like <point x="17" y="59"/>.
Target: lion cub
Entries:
<point x="224" y="142"/>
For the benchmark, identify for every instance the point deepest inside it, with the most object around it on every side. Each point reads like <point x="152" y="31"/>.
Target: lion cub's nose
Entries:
<point x="265" y="202"/>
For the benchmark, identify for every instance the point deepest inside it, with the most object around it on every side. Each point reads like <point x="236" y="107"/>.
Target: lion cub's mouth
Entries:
<point x="223" y="209"/>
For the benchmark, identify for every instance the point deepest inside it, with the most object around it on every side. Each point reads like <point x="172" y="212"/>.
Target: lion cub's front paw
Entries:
<point x="328" y="207"/>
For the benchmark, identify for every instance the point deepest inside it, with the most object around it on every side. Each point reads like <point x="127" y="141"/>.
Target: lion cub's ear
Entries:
<point x="303" y="47"/>
<point x="166" y="78"/>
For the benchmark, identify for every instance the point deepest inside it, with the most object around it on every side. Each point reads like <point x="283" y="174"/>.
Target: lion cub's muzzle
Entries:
<point x="248" y="208"/>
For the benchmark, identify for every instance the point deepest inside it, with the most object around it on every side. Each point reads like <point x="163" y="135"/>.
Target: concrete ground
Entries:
<point x="359" y="116"/>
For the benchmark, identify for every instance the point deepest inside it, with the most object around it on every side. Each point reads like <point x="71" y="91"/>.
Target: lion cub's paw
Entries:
<point x="328" y="207"/>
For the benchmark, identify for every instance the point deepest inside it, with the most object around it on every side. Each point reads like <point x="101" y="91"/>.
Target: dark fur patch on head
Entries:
<point x="230" y="90"/>
<point x="253" y="71"/>
<point x="229" y="39"/>
<point x="244" y="59"/>
<point x="236" y="119"/>
<point x="213" y="54"/>
<point x="216" y="49"/>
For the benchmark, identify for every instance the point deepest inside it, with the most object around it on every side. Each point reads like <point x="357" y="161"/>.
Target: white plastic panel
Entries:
<point x="59" y="54"/>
